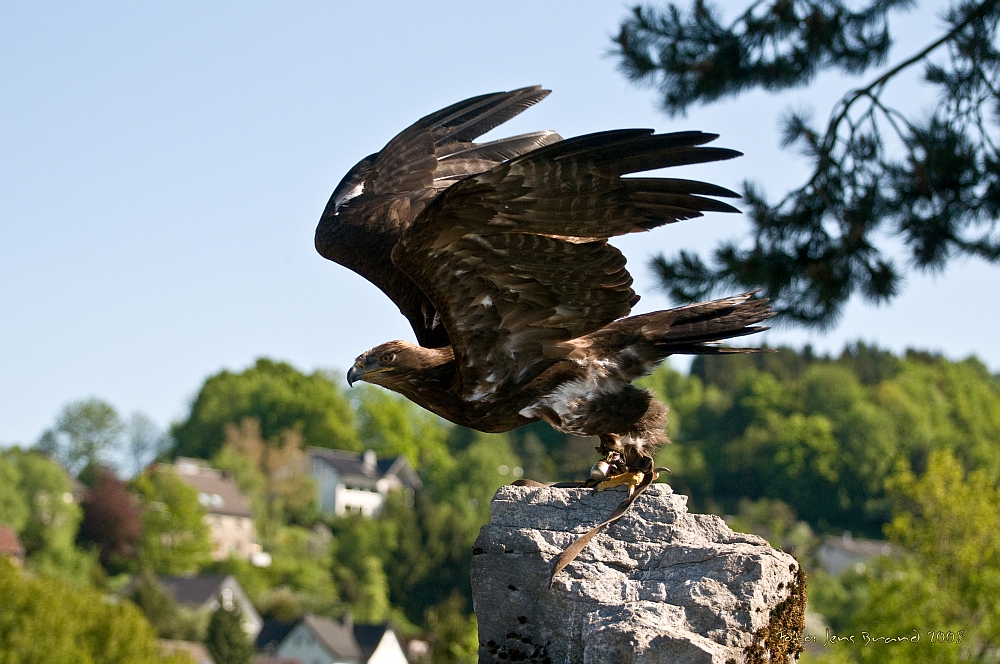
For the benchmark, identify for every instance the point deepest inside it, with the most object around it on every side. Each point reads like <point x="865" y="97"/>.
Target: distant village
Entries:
<point x="346" y="484"/>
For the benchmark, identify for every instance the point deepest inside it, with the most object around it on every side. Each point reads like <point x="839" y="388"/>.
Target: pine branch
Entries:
<point x="816" y="247"/>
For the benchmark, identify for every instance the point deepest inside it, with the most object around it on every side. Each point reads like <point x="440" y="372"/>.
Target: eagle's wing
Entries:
<point x="378" y="198"/>
<point x="516" y="259"/>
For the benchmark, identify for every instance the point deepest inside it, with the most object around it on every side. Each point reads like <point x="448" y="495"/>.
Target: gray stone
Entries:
<point x="659" y="585"/>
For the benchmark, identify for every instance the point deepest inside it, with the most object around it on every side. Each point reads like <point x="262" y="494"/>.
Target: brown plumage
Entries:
<point x="498" y="256"/>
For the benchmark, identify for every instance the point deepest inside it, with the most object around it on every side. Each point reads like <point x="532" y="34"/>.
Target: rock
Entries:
<point x="659" y="585"/>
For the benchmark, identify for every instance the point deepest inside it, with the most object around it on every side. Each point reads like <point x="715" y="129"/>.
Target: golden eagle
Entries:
<point x="497" y="253"/>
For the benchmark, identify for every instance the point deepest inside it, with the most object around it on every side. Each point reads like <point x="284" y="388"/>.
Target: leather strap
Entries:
<point x="574" y="549"/>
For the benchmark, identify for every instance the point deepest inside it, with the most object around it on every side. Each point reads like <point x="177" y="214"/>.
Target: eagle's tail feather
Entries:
<point x="696" y="328"/>
<point x="641" y="342"/>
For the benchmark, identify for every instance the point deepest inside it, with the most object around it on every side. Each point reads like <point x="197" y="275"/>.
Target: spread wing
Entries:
<point x="516" y="259"/>
<point x="378" y="199"/>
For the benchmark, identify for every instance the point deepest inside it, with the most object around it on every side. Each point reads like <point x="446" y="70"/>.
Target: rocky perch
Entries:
<point x="659" y="585"/>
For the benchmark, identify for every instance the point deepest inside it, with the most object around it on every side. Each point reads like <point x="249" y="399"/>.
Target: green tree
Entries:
<point x="301" y="563"/>
<point x="824" y="434"/>
<point x="274" y="473"/>
<point x="275" y="394"/>
<point x="13" y="507"/>
<point x="425" y="542"/>
<point x="158" y="605"/>
<point x="392" y="426"/>
<point x="83" y="434"/>
<point x="454" y="634"/>
<point x="359" y="565"/>
<point x="49" y="532"/>
<point x="49" y="621"/>
<point x="175" y="539"/>
<point x="947" y="576"/>
<point x="226" y="640"/>
<point x="879" y="166"/>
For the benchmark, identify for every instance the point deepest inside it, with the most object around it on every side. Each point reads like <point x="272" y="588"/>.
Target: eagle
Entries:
<point x="497" y="254"/>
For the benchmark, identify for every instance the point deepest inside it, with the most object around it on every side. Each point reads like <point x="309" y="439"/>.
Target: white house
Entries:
<point x="319" y="640"/>
<point x="351" y="483"/>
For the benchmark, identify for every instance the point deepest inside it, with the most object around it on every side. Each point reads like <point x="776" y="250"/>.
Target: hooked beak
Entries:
<point x="355" y="374"/>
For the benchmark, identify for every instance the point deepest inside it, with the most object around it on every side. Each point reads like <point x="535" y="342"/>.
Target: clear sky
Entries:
<point x="163" y="167"/>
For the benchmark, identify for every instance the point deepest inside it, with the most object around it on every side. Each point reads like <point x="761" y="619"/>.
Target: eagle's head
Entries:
<point x="387" y="364"/>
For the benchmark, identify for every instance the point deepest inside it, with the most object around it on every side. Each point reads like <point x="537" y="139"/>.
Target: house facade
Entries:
<point x="207" y="592"/>
<point x="320" y="640"/>
<point x="837" y="554"/>
<point x="351" y="483"/>
<point x="229" y="519"/>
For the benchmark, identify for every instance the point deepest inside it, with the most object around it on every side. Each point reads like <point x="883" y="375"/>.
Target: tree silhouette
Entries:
<point x="878" y="167"/>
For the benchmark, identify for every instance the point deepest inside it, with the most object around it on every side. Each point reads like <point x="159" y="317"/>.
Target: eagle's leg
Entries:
<point x="621" y="465"/>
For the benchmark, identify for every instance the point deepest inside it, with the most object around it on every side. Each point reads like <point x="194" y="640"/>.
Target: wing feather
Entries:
<point x="378" y="198"/>
<point x="516" y="259"/>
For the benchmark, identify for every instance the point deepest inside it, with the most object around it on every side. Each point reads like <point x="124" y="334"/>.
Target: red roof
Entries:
<point x="9" y="544"/>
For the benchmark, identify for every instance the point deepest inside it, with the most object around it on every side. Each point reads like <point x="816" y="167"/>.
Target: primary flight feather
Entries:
<point x="497" y="253"/>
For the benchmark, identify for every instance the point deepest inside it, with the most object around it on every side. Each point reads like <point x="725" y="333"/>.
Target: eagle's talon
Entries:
<point x="631" y="479"/>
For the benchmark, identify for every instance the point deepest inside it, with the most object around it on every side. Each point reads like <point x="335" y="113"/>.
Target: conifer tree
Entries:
<point x="880" y="167"/>
<point x="226" y="641"/>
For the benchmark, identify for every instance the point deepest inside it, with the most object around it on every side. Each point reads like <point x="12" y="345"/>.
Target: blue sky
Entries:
<point x="164" y="166"/>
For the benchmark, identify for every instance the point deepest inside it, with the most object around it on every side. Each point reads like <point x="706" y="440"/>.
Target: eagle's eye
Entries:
<point x="387" y="358"/>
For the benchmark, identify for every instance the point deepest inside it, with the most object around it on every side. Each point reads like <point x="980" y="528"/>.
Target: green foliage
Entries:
<point x="946" y="577"/>
<point x="810" y="432"/>
<point x="274" y="474"/>
<point x="359" y="568"/>
<point x="157" y="605"/>
<point x="300" y="577"/>
<point x="775" y="46"/>
<point x="880" y="166"/>
<point x="83" y="434"/>
<point x="777" y="523"/>
<point x="226" y="640"/>
<point x="279" y="397"/>
<point x="48" y="621"/>
<point x="788" y="443"/>
<point x="280" y="605"/>
<point x="393" y="426"/>
<point x="175" y="538"/>
<point x="455" y="635"/>
<point x="415" y="556"/>
<point x="53" y="518"/>
<point x="169" y="619"/>
<point x="13" y="506"/>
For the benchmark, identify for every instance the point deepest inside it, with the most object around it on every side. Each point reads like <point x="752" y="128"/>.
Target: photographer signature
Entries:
<point x="866" y="638"/>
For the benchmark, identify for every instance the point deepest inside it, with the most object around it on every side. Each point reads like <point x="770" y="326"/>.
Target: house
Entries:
<point x="351" y="483"/>
<point x="271" y="634"/>
<point x="379" y="644"/>
<point x="319" y="640"/>
<point x="837" y="554"/>
<point x="228" y="517"/>
<point x="204" y="592"/>
<point x="10" y="545"/>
